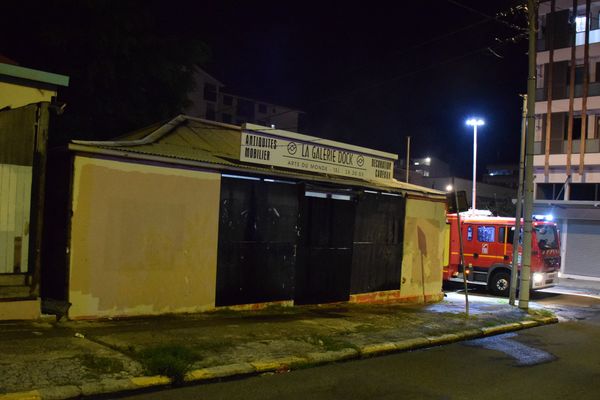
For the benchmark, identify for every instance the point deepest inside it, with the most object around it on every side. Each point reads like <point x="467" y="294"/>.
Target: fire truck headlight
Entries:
<point x="537" y="278"/>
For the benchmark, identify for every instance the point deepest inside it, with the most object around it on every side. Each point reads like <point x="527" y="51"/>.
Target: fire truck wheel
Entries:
<point x="499" y="284"/>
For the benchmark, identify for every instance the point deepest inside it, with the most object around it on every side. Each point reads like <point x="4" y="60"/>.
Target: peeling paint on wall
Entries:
<point x="143" y="239"/>
<point x="423" y="260"/>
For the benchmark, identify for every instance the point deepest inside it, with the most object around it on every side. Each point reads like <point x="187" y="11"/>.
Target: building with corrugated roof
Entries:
<point x="193" y="215"/>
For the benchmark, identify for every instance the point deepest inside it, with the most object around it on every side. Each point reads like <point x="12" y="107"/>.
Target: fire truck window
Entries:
<point x="470" y="233"/>
<point x="486" y="233"/>
<point x="501" y="233"/>
<point x="511" y="235"/>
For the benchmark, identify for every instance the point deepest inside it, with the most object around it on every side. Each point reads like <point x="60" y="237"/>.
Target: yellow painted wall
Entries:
<point x="143" y="239"/>
<point x="14" y="96"/>
<point x="424" y="232"/>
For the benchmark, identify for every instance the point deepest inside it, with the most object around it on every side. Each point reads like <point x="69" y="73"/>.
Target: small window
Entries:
<point x="227" y="100"/>
<point x="226" y="118"/>
<point x="501" y="233"/>
<point x="262" y="108"/>
<point x="584" y="191"/>
<point x="486" y="233"/>
<point x="469" y="233"/>
<point x="576" y="128"/>
<point x="550" y="191"/>
<point x="511" y="236"/>
<point x="580" y="24"/>
<point x="210" y="92"/>
<point x="210" y="111"/>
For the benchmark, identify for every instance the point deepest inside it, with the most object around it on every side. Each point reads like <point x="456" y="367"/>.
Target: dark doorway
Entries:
<point x="325" y="257"/>
<point x="258" y="234"/>
<point x="378" y="242"/>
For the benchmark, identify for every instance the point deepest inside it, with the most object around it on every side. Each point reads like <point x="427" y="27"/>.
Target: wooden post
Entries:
<point x="571" y="90"/>
<point x="550" y="80"/>
<point x="515" y="255"/>
<point x="586" y="82"/>
<point x="38" y="194"/>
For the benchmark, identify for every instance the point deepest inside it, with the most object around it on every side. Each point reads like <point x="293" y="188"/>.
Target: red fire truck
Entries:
<point x="488" y="249"/>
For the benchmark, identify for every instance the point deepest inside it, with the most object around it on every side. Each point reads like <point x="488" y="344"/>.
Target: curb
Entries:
<point x="276" y="365"/>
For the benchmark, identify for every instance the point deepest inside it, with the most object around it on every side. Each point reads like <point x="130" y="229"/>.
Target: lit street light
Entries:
<point x="474" y="123"/>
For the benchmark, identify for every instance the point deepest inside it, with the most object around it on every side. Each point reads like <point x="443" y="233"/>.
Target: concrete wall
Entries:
<point x="424" y="244"/>
<point x="143" y="239"/>
<point x="14" y="96"/>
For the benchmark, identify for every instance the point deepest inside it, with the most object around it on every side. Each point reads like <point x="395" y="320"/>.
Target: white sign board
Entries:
<point x="278" y="151"/>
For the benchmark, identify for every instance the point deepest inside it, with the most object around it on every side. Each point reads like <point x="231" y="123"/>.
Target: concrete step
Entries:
<point x="14" y="279"/>
<point x="11" y="292"/>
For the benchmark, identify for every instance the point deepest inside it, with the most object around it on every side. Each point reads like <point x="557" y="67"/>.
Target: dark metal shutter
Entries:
<point x="583" y="248"/>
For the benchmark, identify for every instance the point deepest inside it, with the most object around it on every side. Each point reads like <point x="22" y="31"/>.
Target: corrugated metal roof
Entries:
<point x="189" y="140"/>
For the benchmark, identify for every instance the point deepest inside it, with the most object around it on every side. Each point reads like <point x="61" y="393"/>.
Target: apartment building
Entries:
<point x="567" y="144"/>
<point x="210" y="100"/>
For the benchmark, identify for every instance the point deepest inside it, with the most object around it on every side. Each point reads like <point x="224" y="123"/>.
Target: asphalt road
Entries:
<point x="560" y="361"/>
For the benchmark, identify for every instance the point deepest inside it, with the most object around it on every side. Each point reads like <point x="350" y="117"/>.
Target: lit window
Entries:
<point x="579" y="24"/>
<point x="486" y="233"/>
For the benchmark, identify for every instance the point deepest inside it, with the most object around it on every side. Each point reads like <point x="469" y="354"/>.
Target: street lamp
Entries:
<point x="474" y="122"/>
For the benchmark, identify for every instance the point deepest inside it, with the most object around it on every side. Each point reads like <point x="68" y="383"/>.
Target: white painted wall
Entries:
<point x="15" y="201"/>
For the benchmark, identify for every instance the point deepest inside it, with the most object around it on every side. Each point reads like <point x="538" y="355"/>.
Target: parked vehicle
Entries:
<point x="488" y="250"/>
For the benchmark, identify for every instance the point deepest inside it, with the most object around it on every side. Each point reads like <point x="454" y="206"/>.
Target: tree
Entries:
<point x="130" y="62"/>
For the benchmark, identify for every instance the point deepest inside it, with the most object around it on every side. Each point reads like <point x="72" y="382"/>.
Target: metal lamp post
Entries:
<point x="474" y="122"/>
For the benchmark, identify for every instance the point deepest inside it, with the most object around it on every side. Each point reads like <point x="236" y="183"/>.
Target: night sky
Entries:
<point x="372" y="73"/>
<point x="367" y="73"/>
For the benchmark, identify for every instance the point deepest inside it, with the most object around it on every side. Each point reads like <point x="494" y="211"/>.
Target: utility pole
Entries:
<point x="462" y="253"/>
<point x="514" y="273"/>
<point x="407" y="157"/>
<point x="528" y="202"/>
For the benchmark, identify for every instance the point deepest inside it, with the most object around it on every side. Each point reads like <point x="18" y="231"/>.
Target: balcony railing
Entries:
<point x="562" y="92"/>
<point x="565" y="41"/>
<point x="560" y="146"/>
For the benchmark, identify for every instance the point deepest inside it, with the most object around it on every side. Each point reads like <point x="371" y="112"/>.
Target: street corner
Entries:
<point x="549" y="320"/>
<point x="529" y="324"/>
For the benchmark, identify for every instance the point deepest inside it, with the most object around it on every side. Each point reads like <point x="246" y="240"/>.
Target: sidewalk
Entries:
<point x="69" y="359"/>
<point x="581" y="285"/>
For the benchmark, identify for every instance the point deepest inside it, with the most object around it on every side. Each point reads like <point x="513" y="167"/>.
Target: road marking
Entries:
<point x="525" y="355"/>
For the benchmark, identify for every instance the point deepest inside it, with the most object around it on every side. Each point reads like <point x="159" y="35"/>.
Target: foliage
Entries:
<point x="173" y="361"/>
<point x="101" y="364"/>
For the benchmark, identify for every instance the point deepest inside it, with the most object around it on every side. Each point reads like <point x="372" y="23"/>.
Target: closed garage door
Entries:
<point x="583" y="248"/>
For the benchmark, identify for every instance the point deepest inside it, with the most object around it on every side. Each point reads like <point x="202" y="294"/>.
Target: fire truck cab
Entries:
<point x="488" y="249"/>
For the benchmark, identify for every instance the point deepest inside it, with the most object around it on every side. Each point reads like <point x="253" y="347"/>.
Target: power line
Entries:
<point x="489" y="17"/>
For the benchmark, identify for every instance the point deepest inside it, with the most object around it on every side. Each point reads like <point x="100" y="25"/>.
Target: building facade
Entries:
<point x="27" y="97"/>
<point x="200" y="215"/>
<point x="567" y="131"/>
<point x="209" y="100"/>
